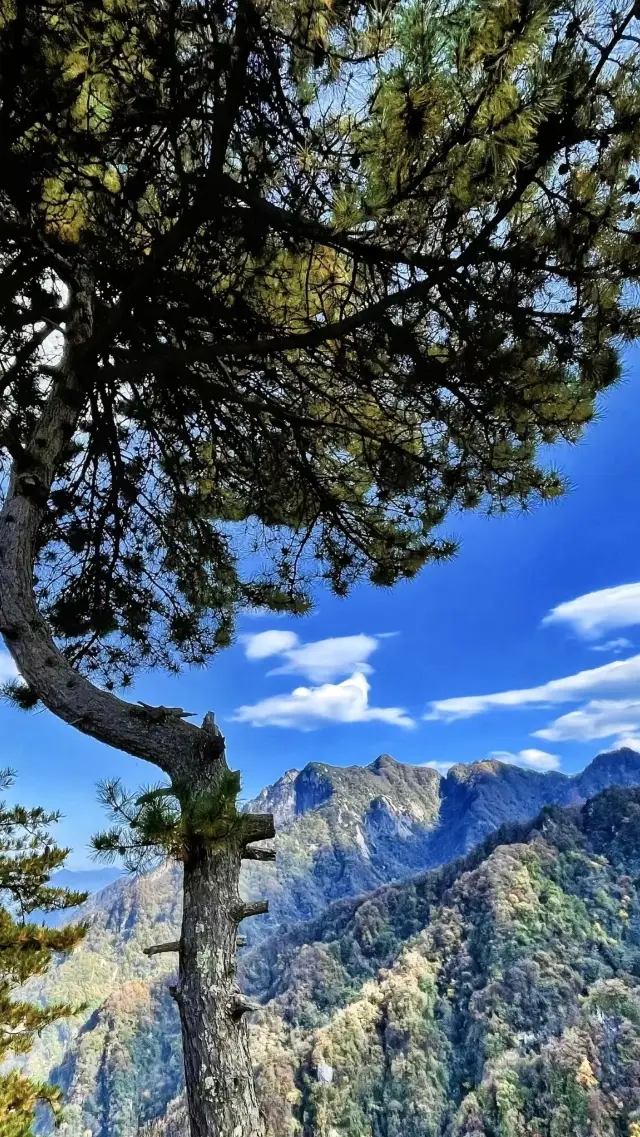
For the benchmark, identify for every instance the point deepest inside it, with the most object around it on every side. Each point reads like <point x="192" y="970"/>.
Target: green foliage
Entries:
<point x="166" y="821"/>
<point x="27" y="858"/>
<point x="498" y="996"/>
<point x="19" y="694"/>
<point x="349" y="267"/>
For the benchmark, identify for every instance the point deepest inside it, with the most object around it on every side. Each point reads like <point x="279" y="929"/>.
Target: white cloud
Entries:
<point x="607" y="698"/>
<point x="307" y="708"/>
<point x="441" y="767"/>
<point x="8" y="669"/>
<point x="614" y="646"/>
<point x="531" y="758"/>
<point x="597" y="612"/>
<point x="629" y="741"/>
<point x="621" y="676"/>
<point x="328" y="659"/>
<point x="262" y="613"/>
<point x="319" y="661"/>
<point x="599" y="718"/>
<point x="265" y="644"/>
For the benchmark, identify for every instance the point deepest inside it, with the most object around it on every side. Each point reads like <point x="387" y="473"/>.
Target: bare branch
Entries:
<point x="250" y="908"/>
<point x="256" y="827"/>
<point x="252" y="854"/>
<point x="160" y="949"/>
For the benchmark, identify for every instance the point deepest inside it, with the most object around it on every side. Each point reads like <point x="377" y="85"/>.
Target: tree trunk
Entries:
<point x="220" y="1092"/>
<point x="218" y="1074"/>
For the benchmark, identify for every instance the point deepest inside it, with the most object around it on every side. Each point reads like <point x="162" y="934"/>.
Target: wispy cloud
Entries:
<point x="621" y="676"/>
<point x="609" y="696"/>
<point x="630" y="741"/>
<point x="599" y="718"/>
<point x="530" y="758"/>
<point x="8" y="669"/>
<point x="319" y="661"/>
<point x="614" y="647"/>
<point x="441" y="767"/>
<point x="307" y="708"/>
<point x="599" y="612"/>
<point x="262" y="614"/>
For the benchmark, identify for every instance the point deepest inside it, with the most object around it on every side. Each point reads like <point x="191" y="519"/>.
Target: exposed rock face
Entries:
<point x="478" y="798"/>
<point x="279" y="799"/>
<point x="342" y="832"/>
<point x="313" y="787"/>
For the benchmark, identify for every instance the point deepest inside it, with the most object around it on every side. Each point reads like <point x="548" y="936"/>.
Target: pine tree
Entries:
<point x="282" y="285"/>
<point x="28" y="857"/>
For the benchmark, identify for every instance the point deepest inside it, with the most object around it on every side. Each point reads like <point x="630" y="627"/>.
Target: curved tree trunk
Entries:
<point x="217" y="1067"/>
<point x="218" y="1073"/>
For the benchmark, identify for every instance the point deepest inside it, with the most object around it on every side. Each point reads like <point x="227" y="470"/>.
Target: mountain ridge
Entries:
<point x="498" y="995"/>
<point x="461" y="791"/>
<point x="343" y="832"/>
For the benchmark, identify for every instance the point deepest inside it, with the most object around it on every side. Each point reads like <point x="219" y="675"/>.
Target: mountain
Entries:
<point x="497" y="996"/>
<point x="480" y="797"/>
<point x="85" y="880"/>
<point x="76" y="880"/>
<point x="342" y="833"/>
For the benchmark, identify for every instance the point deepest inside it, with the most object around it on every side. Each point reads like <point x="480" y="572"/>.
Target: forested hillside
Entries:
<point x="499" y="995"/>
<point x="342" y="832"/>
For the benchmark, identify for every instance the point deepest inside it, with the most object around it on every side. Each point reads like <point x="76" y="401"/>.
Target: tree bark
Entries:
<point x="220" y="1091"/>
<point x="218" y="1073"/>
<point x="217" y="1067"/>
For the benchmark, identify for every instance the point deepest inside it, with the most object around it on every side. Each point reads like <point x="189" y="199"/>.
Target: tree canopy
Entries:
<point x="282" y="285"/>
<point x="28" y="857"/>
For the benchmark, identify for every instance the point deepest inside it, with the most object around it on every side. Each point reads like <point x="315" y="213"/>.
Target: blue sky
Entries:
<point x="478" y="626"/>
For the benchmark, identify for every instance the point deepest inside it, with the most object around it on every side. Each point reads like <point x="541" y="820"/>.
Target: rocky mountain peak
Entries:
<point x="314" y="785"/>
<point x="620" y="767"/>
<point x="467" y="772"/>
<point x="383" y="763"/>
<point x="278" y="799"/>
